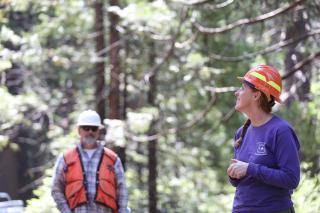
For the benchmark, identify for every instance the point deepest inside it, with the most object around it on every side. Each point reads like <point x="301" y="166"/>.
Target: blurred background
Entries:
<point x="162" y="75"/>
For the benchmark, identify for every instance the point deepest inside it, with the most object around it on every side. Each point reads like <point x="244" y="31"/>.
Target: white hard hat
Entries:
<point x="89" y="118"/>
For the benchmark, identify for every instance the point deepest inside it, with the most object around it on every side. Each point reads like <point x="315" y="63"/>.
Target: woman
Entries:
<point x="266" y="166"/>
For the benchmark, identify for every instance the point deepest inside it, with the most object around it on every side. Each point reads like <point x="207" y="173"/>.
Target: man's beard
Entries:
<point x="89" y="140"/>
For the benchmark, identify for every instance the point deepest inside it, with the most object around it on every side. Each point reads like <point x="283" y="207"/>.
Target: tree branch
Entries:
<point x="157" y="67"/>
<point x="197" y="118"/>
<point x="31" y="185"/>
<point x="247" y="21"/>
<point x="299" y="65"/>
<point x="267" y="50"/>
<point x="189" y="41"/>
<point x="202" y="2"/>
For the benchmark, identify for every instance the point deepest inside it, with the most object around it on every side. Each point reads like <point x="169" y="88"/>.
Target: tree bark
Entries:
<point x="100" y="72"/>
<point x="9" y="175"/>
<point x="298" y="86"/>
<point x="115" y="70"/>
<point x="114" y="95"/>
<point x="152" y="145"/>
<point x="152" y="180"/>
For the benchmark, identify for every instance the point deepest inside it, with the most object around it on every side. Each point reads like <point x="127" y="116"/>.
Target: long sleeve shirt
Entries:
<point x="272" y="154"/>
<point x="90" y="164"/>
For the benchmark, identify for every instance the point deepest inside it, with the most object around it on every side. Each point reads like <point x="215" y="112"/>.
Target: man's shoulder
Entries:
<point x="71" y="154"/>
<point x="110" y="153"/>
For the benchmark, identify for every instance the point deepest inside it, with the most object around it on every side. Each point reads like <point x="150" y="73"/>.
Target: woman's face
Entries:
<point x="245" y="98"/>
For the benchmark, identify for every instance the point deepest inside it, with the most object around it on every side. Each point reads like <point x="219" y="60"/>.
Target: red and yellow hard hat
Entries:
<point x="266" y="79"/>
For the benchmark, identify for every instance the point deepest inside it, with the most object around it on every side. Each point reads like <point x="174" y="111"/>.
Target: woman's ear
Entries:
<point x="257" y="95"/>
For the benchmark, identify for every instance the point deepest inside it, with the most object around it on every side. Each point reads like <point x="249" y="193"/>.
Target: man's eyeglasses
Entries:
<point x="92" y="128"/>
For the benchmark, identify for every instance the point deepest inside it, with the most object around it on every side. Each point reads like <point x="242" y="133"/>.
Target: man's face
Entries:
<point x="88" y="136"/>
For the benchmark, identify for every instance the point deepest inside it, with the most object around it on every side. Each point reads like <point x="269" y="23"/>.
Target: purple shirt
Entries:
<point x="272" y="151"/>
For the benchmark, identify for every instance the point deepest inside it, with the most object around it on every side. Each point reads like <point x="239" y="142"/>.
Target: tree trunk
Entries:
<point x="115" y="70"/>
<point x="152" y="145"/>
<point x="152" y="180"/>
<point x="9" y="175"/>
<point x="114" y="95"/>
<point x="100" y="46"/>
<point x="298" y="86"/>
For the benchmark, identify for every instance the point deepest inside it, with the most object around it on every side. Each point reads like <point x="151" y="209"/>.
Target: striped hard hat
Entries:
<point x="266" y="79"/>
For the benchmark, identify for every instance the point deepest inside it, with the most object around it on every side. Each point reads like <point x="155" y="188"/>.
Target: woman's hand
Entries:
<point x="237" y="169"/>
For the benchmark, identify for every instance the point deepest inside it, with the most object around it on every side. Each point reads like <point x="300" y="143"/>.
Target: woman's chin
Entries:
<point x="237" y="107"/>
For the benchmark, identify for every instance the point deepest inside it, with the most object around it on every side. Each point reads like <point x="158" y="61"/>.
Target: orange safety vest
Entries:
<point x="75" y="179"/>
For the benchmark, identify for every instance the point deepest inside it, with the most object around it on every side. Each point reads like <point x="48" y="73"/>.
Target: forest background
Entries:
<point x="162" y="75"/>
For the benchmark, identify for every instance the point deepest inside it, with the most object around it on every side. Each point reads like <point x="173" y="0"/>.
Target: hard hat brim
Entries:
<point x="88" y="124"/>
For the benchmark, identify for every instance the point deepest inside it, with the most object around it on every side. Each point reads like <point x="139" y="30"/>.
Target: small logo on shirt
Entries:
<point x="110" y="168"/>
<point x="261" y="148"/>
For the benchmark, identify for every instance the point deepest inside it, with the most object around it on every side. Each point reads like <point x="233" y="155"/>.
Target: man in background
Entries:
<point x="89" y="177"/>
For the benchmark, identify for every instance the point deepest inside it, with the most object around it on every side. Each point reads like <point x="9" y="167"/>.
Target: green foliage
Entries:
<point x="53" y="42"/>
<point x="5" y="64"/>
<point x="12" y="111"/>
<point x="306" y="197"/>
<point x="9" y="35"/>
<point x="142" y="16"/>
<point x="115" y="132"/>
<point x="139" y="122"/>
<point x="199" y="189"/>
<point x="43" y="201"/>
<point x="304" y="118"/>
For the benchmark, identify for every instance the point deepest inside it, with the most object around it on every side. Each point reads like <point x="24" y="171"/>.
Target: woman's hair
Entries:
<point x="238" y="142"/>
<point x="265" y="104"/>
